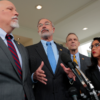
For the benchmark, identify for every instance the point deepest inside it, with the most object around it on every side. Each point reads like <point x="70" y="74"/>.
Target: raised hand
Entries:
<point x="68" y="71"/>
<point x="39" y="74"/>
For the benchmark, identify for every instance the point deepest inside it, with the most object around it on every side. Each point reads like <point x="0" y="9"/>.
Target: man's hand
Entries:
<point x="68" y="71"/>
<point x="39" y="74"/>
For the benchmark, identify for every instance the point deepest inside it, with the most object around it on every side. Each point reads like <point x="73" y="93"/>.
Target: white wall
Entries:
<point x="84" y="47"/>
<point x="27" y="32"/>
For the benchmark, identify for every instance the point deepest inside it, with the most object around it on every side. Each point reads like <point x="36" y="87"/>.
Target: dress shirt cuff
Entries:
<point x="33" y="79"/>
<point x="71" y="81"/>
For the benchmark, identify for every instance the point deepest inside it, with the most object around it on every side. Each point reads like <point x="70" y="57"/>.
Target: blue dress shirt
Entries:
<point x="77" y="58"/>
<point x="55" y="51"/>
<point x="54" y="48"/>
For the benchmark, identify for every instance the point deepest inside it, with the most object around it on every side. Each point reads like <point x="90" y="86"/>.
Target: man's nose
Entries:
<point x="16" y="13"/>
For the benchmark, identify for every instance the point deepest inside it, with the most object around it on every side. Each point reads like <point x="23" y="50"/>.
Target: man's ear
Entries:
<point x="53" y="29"/>
<point x="79" y="44"/>
<point x="66" y="45"/>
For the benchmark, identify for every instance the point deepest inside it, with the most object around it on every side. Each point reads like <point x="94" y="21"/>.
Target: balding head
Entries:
<point x="4" y="3"/>
<point x="8" y="15"/>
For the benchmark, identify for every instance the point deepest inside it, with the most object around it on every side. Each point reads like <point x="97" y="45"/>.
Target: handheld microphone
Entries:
<point x="79" y="74"/>
<point x="67" y="61"/>
<point x="73" y="93"/>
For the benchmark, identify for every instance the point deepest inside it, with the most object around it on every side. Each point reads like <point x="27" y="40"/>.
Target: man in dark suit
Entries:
<point x="72" y="43"/>
<point x="15" y="78"/>
<point x="48" y="72"/>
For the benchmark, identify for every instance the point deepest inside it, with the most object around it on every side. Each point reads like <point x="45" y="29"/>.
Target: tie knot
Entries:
<point x="74" y="56"/>
<point x="48" y="43"/>
<point x="8" y="37"/>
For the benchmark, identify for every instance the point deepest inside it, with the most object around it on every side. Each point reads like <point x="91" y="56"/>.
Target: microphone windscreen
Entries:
<point x="65" y="58"/>
<point x="72" y="91"/>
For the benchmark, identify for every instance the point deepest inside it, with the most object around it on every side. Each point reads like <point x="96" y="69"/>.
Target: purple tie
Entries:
<point x="14" y="54"/>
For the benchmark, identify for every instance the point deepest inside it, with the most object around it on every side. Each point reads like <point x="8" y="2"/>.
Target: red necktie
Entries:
<point x="14" y="54"/>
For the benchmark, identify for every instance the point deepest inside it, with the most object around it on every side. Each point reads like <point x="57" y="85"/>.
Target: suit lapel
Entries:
<point x="59" y="48"/>
<point x="82" y="62"/>
<point x="40" y="50"/>
<point x="8" y="54"/>
<point x="97" y="74"/>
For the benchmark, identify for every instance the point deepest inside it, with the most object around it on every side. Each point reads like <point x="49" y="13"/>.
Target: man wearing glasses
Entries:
<point x="48" y="72"/>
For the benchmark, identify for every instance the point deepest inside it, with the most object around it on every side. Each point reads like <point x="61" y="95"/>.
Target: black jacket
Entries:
<point x="57" y="84"/>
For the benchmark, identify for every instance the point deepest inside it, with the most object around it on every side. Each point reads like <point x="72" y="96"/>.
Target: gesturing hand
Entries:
<point x="68" y="71"/>
<point x="39" y="74"/>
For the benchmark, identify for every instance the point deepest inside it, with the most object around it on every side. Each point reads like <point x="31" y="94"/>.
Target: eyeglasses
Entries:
<point x="95" y="45"/>
<point x="46" y="23"/>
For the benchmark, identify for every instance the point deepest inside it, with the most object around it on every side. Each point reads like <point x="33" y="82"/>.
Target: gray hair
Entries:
<point x="71" y="34"/>
<point x="47" y="19"/>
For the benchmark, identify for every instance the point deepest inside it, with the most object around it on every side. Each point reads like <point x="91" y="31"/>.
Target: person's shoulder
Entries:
<point x="62" y="47"/>
<point x="84" y="56"/>
<point x="32" y="46"/>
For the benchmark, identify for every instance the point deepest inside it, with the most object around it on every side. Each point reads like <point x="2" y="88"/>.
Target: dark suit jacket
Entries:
<point x="11" y="86"/>
<point x="57" y="84"/>
<point x="94" y="77"/>
<point x="84" y="62"/>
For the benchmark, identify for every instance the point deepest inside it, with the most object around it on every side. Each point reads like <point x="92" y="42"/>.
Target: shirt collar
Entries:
<point x="77" y="54"/>
<point x="3" y="34"/>
<point x="44" y="42"/>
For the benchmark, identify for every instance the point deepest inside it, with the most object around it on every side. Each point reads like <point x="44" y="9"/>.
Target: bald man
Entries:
<point x="15" y="79"/>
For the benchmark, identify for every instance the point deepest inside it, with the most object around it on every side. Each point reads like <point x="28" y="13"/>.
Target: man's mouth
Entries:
<point x="73" y="45"/>
<point x="15" y="17"/>
<point x="45" y="30"/>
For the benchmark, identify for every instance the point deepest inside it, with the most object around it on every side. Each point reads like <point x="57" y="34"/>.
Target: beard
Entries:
<point x="46" y="35"/>
<point x="14" y="24"/>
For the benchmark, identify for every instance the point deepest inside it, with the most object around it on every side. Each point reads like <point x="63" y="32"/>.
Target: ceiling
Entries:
<point x="67" y="16"/>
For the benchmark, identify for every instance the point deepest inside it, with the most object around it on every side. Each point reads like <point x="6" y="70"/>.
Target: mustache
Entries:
<point x="44" y="30"/>
<point x="14" y="17"/>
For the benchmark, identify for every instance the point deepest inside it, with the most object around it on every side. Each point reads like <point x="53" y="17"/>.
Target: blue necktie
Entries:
<point x="51" y="56"/>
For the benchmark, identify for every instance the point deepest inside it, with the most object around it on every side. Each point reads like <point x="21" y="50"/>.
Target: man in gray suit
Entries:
<point x="72" y="43"/>
<point x="15" y="79"/>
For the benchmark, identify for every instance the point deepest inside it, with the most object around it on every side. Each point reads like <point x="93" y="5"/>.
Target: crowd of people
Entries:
<point x="40" y="64"/>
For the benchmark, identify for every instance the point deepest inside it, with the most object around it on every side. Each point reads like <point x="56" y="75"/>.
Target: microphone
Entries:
<point x="73" y="93"/>
<point x="79" y="74"/>
<point x="67" y="61"/>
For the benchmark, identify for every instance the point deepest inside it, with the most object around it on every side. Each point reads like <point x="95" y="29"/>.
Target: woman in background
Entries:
<point x="93" y="71"/>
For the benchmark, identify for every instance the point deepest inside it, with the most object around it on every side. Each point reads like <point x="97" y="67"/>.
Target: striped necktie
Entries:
<point x="14" y="54"/>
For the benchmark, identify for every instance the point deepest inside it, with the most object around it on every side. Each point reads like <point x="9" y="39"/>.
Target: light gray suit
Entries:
<point x="11" y="86"/>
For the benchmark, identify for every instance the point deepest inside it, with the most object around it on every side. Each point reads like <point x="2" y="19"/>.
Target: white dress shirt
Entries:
<point x="3" y="35"/>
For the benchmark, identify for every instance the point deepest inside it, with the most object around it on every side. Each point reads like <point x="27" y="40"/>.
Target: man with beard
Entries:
<point x="72" y="43"/>
<point x="15" y="77"/>
<point x="48" y="72"/>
